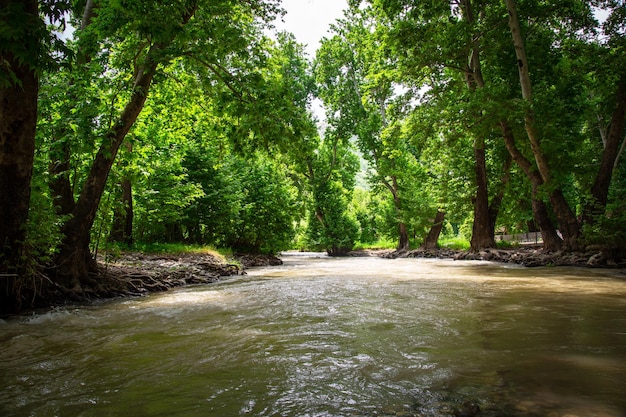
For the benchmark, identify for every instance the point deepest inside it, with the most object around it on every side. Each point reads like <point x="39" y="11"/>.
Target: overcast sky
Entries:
<point x="309" y="20"/>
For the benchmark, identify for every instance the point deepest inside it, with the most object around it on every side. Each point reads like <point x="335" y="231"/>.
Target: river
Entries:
<point x="322" y="336"/>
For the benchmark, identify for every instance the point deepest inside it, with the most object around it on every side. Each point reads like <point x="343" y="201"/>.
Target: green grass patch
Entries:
<point x="177" y="248"/>
<point x="503" y="244"/>
<point x="380" y="244"/>
<point x="455" y="243"/>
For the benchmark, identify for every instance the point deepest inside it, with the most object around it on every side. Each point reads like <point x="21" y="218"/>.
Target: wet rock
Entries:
<point x="467" y="409"/>
<point x="251" y="260"/>
<point x="526" y="256"/>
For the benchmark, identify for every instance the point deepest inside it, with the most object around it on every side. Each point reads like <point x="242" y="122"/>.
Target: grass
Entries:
<point x="174" y="248"/>
<point x="380" y="244"/>
<point x="455" y="243"/>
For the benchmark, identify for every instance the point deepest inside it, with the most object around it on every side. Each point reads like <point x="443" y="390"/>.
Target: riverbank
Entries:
<point x="140" y="273"/>
<point x="131" y="274"/>
<point x="530" y="256"/>
<point x="135" y="274"/>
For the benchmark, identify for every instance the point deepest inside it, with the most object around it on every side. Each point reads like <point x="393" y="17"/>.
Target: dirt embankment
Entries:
<point x="139" y="273"/>
<point x="526" y="256"/>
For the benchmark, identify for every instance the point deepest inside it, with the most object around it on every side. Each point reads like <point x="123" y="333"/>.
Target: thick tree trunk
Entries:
<point x="481" y="236"/>
<point x="482" y="233"/>
<point x="551" y="239"/>
<point x="552" y="242"/>
<point x="600" y="188"/>
<point x="566" y="217"/>
<point x="435" y="230"/>
<point x="568" y="224"/>
<point x="403" y="240"/>
<point x="18" y="121"/>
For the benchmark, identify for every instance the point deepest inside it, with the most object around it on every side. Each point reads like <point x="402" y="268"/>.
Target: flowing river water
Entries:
<point x="321" y="336"/>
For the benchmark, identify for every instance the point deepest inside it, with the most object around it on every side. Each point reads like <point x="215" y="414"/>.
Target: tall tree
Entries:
<point x="20" y="49"/>
<point x="357" y="83"/>
<point x="567" y="219"/>
<point x="26" y="50"/>
<point x="144" y="37"/>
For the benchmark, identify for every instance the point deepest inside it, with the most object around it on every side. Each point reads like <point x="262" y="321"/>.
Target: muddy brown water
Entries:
<point x="321" y="336"/>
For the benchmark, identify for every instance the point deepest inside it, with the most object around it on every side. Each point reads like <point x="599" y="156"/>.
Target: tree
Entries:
<point x="438" y="46"/>
<point x="18" y="116"/>
<point x="24" y="54"/>
<point x="144" y="37"/>
<point x="567" y="219"/>
<point x="358" y="85"/>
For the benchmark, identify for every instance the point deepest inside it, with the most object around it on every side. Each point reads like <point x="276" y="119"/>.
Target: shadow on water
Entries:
<point x="322" y="336"/>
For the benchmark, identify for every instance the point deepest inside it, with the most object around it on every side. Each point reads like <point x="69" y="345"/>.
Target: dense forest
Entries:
<point x="191" y="121"/>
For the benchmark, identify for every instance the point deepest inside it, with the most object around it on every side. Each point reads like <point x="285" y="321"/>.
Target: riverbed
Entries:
<point x="323" y="336"/>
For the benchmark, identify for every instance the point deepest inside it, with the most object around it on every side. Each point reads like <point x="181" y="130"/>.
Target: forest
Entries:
<point x="126" y="122"/>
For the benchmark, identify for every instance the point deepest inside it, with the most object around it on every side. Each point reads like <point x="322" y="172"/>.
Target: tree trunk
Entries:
<point x="552" y="242"/>
<point x="566" y="217"/>
<point x="600" y="188"/>
<point x="18" y="121"/>
<point x="435" y="230"/>
<point x="551" y="239"/>
<point x="403" y="233"/>
<point x="403" y="239"/>
<point x="568" y="224"/>
<point x="482" y="236"/>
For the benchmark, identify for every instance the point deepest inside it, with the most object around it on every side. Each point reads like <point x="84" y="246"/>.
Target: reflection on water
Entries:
<point x="333" y="337"/>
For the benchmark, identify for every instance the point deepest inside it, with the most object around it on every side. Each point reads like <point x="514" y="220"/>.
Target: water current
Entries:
<point x="321" y="336"/>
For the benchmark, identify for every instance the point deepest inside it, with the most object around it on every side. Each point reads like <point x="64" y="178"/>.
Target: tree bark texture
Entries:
<point x="18" y="121"/>
<point x="435" y="230"/>
<point x="482" y="233"/>
<point x="403" y="240"/>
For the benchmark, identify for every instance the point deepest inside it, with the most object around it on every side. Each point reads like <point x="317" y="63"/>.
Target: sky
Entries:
<point x="309" y="20"/>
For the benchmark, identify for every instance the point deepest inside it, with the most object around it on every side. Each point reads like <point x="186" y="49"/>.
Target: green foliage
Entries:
<point x="181" y="248"/>
<point x="267" y="208"/>
<point x="43" y="226"/>
<point x="383" y="243"/>
<point x="609" y="230"/>
<point x="331" y="227"/>
<point x="25" y="37"/>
